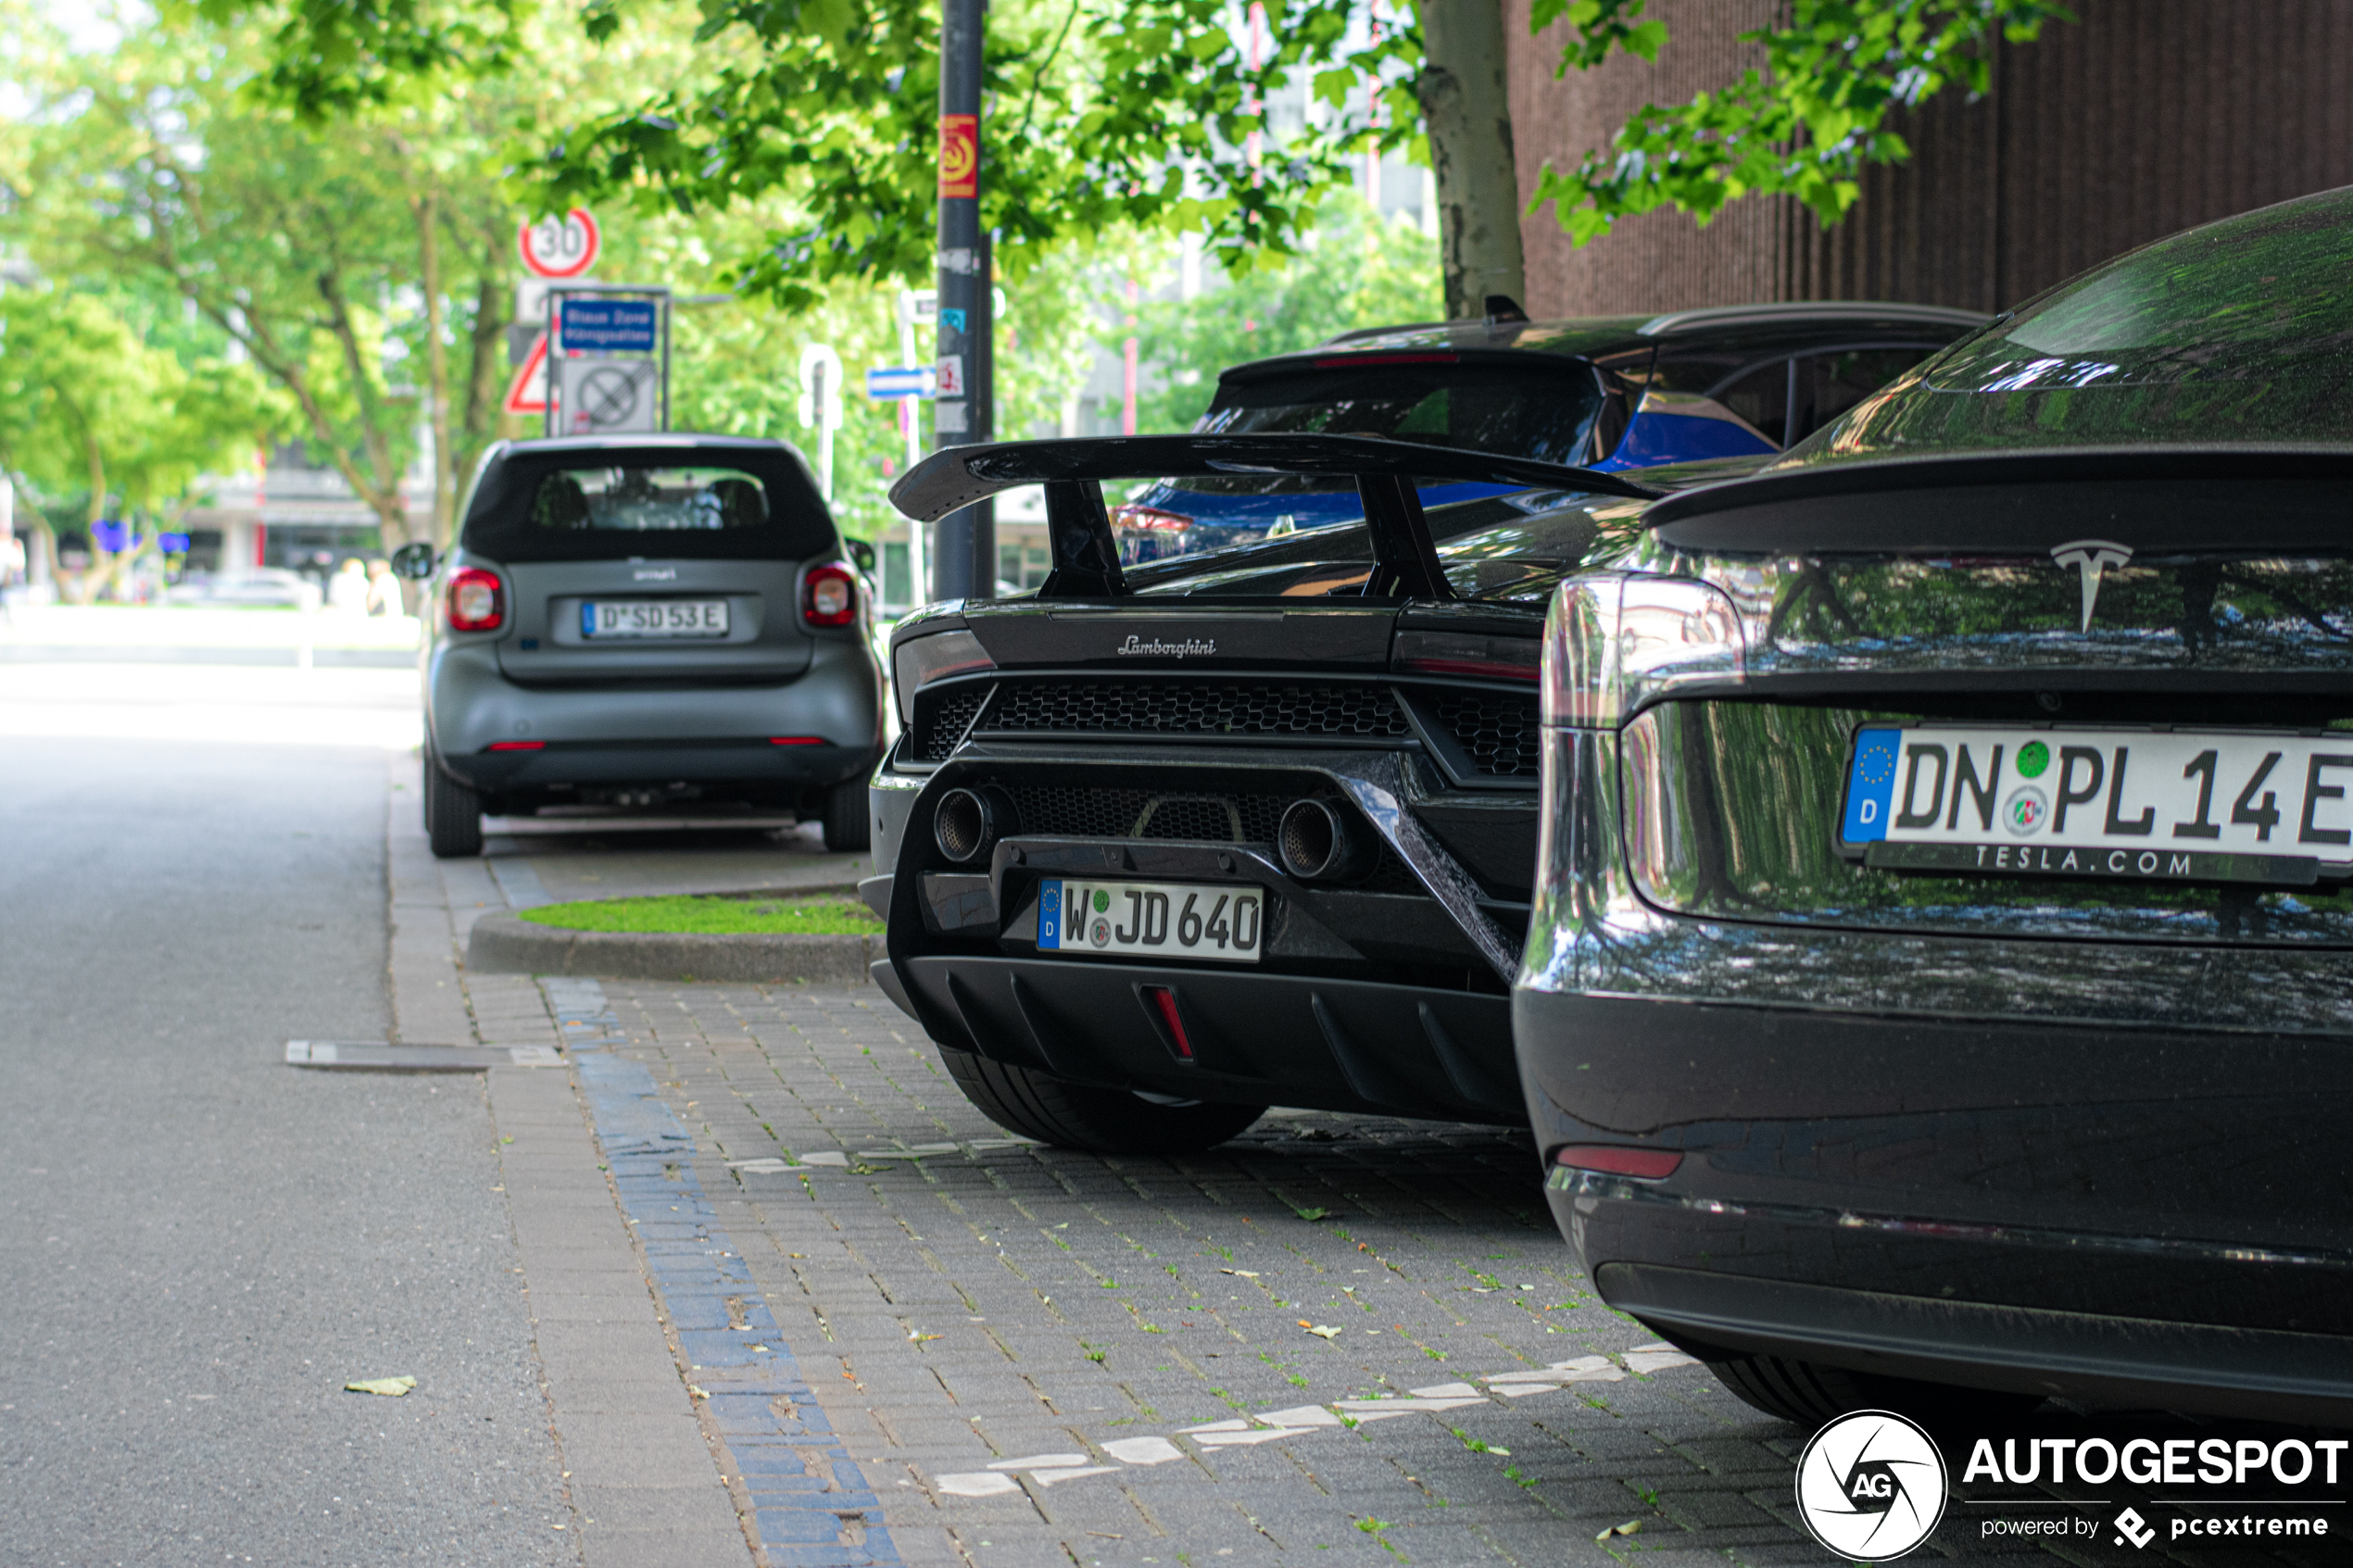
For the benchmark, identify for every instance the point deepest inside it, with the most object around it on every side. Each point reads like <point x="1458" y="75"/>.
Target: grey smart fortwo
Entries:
<point x="646" y="621"/>
<point x="1941" y="971"/>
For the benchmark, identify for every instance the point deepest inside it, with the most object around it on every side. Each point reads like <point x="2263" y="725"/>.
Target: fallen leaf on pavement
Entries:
<point x="697" y="1392"/>
<point x="1241" y="1274"/>
<point x="1626" y="1529"/>
<point x="1321" y="1330"/>
<point x="390" y="1387"/>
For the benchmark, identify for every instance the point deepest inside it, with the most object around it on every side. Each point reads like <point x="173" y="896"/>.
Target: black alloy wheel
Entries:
<point x="1099" y="1120"/>
<point x="453" y="814"/>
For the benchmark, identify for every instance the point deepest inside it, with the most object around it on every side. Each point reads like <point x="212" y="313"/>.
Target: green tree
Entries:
<point x="365" y="266"/>
<point x="90" y="406"/>
<point x="1147" y="112"/>
<point x="1805" y="126"/>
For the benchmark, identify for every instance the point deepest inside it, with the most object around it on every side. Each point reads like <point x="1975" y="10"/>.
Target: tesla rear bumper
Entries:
<point x="2122" y="1214"/>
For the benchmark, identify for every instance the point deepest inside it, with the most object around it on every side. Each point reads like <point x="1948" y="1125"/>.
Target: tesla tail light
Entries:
<point x="477" y="601"/>
<point x="1615" y="640"/>
<point x="829" y="594"/>
<point x="1645" y="1164"/>
<point x="518" y="745"/>
<point x="921" y="660"/>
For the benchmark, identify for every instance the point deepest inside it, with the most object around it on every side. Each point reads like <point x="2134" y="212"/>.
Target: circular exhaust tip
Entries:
<point x="1317" y="843"/>
<point x="966" y="824"/>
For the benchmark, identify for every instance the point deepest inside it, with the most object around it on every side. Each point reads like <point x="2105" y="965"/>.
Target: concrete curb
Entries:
<point x="506" y="944"/>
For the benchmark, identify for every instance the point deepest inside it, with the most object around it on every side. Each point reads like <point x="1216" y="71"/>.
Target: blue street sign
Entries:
<point x="606" y="326"/>
<point x="900" y="381"/>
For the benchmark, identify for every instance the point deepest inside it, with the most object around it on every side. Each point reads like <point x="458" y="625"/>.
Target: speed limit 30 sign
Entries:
<point x="559" y="247"/>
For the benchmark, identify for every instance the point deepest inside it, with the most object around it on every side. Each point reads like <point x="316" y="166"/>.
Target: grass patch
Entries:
<point x="826" y="914"/>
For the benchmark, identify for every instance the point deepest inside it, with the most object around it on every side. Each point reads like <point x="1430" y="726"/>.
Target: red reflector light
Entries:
<point x="1350" y="361"/>
<point x="518" y="745"/>
<point x="1165" y="1000"/>
<point x="1649" y="1164"/>
<point x="796" y="740"/>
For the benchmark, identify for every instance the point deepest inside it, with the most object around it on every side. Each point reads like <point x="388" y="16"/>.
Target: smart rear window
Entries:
<point x="648" y="500"/>
<point x="700" y="499"/>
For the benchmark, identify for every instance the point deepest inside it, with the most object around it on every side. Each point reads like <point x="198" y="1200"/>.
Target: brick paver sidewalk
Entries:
<point x="1040" y="1357"/>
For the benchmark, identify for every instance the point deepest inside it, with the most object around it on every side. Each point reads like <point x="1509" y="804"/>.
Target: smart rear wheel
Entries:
<point x="453" y="814"/>
<point x="846" y="825"/>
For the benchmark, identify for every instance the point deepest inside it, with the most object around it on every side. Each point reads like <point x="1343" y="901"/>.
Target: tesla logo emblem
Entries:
<point x="2091" y="558"/>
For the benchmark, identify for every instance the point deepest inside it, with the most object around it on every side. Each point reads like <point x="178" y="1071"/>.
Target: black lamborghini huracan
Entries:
<point x="1164" y="845"/>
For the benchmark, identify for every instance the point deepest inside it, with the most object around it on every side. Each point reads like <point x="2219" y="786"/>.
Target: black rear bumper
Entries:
<point x="2259" y="1374"/>
<point x="1257" y="1039"/>
<point x="755" y="764"/>
<point x="2119" y="1214"/>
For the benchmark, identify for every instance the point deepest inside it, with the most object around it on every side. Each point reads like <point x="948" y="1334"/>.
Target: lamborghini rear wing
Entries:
<point x="1086" y="551"/>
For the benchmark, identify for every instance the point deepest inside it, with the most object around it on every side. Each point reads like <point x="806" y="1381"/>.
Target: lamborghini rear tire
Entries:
<point x="1068" y="1115"/>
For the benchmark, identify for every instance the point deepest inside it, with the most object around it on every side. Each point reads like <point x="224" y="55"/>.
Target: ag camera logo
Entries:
<point x="1870" y="1486"/>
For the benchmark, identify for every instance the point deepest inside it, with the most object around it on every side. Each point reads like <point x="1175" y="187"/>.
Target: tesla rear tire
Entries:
<point x="846" y="827"/>
<point x="1099" y="1120"/>
<point x="453" y="815"/>
<point x="1808" y="1394"/>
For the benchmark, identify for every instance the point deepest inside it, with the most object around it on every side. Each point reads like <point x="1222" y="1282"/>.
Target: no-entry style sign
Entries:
<point x="561" y="247"/>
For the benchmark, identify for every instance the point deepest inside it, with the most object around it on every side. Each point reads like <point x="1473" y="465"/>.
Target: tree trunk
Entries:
<point x="444" y="471"/>
<point x="1467" y="110"/>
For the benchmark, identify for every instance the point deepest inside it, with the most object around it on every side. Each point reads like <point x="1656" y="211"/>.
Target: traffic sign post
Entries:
<point x="608" y="349"/>
<point x="821" y="408"/>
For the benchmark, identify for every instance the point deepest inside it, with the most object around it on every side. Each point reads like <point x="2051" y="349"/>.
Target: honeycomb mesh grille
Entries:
<point x="1073" y="812"/>
<point x="943" y="725"/>
<point x="1221" y="708"/>
<point x="1500" y="731"/>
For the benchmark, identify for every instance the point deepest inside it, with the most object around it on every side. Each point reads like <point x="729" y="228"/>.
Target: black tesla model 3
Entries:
<point x="1940" y="966"/>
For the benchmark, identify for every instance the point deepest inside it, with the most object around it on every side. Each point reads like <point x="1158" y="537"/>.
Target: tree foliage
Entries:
<point x="1805" y="125"/>
<point x="94" y="403"/>
<point x="1103" y="114"/>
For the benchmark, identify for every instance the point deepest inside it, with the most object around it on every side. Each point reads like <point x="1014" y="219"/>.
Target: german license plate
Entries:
<point x="618" y="620"/>
<point x="1160" y="918"/>
<point x="2163" y="805"/>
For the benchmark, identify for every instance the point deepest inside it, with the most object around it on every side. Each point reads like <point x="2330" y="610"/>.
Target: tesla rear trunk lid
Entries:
<point x="2167" y="632"/>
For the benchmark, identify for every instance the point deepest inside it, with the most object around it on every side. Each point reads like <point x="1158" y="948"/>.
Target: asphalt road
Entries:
<point x="204" y="1244"/>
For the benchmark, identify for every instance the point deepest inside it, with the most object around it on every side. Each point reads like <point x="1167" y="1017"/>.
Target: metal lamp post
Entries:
<point x="965" y="564"/>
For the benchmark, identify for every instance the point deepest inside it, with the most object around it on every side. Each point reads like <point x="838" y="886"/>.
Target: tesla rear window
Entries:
<point x="644" y="500"/>
<point x="1544" y="412"/>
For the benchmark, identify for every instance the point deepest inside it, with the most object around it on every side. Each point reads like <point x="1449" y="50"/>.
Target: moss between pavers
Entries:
<point x="831" y="915"/>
